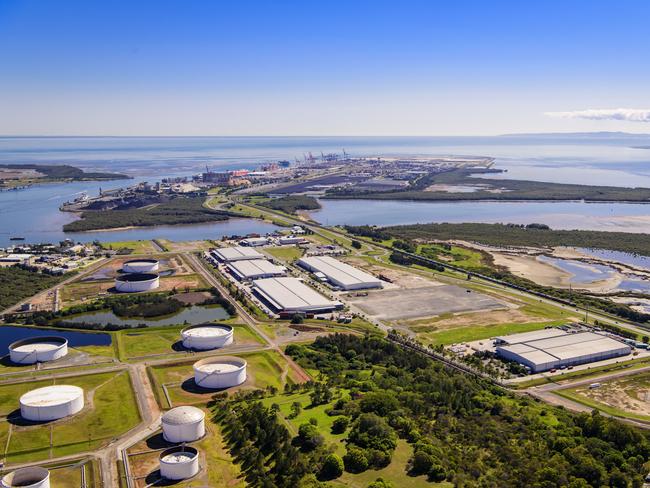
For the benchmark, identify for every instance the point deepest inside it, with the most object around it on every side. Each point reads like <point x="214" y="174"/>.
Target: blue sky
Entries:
<point x="322" y="68"/>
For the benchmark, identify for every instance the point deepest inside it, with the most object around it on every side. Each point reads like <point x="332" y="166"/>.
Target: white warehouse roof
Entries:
<point x="340" y="274"/>
<point x="255" y="268"/>
<point x="292" y="295"/>
<point x="236" y="253"/>
<point x="565" y="349"/>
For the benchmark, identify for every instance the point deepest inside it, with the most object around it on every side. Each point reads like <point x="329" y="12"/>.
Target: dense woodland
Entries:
<point x="178" y="211"/>
<point x="292" y="203"/>
<point x="18" y="283"/>
<point x="460" y="429"/>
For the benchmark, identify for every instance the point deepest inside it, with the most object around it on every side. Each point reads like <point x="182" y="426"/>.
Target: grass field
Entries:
<point x="285" y="253"/>
<point x="138" y="247"/>
<point x="626" y="397"/>
<point x="159" y="340"/>
<point x="110" y="411"/>
<point x="265" y="368"/>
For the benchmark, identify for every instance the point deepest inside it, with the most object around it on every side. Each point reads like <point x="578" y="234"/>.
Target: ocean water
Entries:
<point x="613" y="160"/>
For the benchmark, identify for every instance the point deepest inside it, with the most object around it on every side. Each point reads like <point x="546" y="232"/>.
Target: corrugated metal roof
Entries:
<point x="236" y="253"/>
<point x="292" y="294"/>
<point x="256" y="267"/>
<point x="338" y="272"/>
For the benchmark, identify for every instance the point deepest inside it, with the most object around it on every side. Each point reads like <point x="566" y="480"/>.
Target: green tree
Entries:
<point x="355" y="460"/>
<point x="332" y="467"/>
<point x="340" y="425"/>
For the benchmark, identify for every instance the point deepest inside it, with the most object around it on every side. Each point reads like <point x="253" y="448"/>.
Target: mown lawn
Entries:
<point x="285" y="253"/>
<point x="110" y="411"/>
<point x="138" y="247"/>
<point x="159" y="340"/>
<point x="265" y="368"/>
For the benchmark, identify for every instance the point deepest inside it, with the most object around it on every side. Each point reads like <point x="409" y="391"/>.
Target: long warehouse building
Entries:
<point x="292" y="295"/>
<point x="553" y="348"/>
<point x="254" y="269"/>
<point x="236" y="253"/>
<point x="340" y="274"/>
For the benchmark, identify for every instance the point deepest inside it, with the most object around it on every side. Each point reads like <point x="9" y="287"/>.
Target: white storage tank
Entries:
<point x="183" y="424"/>
<point x="51" y="402"/>
<point x="207" y="336"/>
<point x="38" y="349"/>
<point x="34" y="477"/>
<point x="141" y="266"/>
<point x="220" y="372"/>
<point x="179" y="463"/>
<point x="135" y="282"/>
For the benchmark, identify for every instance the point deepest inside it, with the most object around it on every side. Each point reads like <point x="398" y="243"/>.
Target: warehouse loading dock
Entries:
<point x="549" y="349"/>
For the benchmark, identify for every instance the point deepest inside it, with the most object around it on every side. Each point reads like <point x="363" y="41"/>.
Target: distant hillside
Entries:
<point x="65" y="172"/>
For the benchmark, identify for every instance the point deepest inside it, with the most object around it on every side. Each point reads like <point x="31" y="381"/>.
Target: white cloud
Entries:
<point x="625" y="114"/>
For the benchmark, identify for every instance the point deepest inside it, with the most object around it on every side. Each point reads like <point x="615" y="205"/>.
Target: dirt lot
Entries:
<point x="401" y="279"/>
<point x="426" y="301"/>
<point x="474" y="319"/>
<point x="630" y="394"/>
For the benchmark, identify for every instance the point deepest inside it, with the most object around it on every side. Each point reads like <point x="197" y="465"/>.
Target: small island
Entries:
<point x="15" y="176"/>
<point x="178" y="210"/>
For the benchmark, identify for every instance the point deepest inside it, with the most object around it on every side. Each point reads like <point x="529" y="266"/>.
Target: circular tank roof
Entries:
<point x="26" y="477"/>
<point x="50" y="396"/>
<point x="45" y="343"/>
<point x="138" y="277"/>
<point x="183" y="415"/>
<point x="178" y="454"/>
<point x="223" y="364"/>
<point x="207" y="330"/>
<point x="143" y="261"/>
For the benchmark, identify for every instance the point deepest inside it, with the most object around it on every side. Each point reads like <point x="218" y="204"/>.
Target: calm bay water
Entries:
<point x="34" y="214"/>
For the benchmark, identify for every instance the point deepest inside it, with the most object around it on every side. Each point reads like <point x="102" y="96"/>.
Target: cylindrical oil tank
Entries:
<point x="206" y="336"/>
<point x="33" y="477"/>
<point x="141" y="266"/>
<point x="38" y="350"/>
<point x="179" y="463"/>
<point x="135" y="282"/>
<point x="220" y="372"/>
<point x="51" y="402"/>
<point x="183" y="424"/>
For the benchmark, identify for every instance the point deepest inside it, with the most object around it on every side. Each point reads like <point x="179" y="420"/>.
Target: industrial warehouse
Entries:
<point x="254" y="269"/>
<point x="235" y="253"/>
<point x="548" y="349"/>
<point x="292" y="295"/>
<point x="340" y="274"/>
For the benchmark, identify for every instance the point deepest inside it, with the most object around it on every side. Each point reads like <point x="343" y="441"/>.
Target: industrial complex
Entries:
<point x="254" y="269"/>
<point x="292" y="295"/>
<point x="555" y="348"/>
<point x="340" y="274"/>
<point x="235" y="253"/>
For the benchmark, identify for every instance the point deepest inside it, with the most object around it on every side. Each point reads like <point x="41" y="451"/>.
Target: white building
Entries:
<point x="38" y="350"/>
<point x="183" y="424"/>
<point x="553" y="348"/>
<point x="30" y="477"/>
<point x="340" y="274"/>
<point x="254" y="241"/>
<point x="292" y="295"/>
<point x="179" y="463"/>
<point x="203" y="337"/>
<point x="51" y="402"/>
<point x="254" y="269"/>
<point x="136" y="282"/>
<point x="236" y="253"/>
<point x="220" y="372"/>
